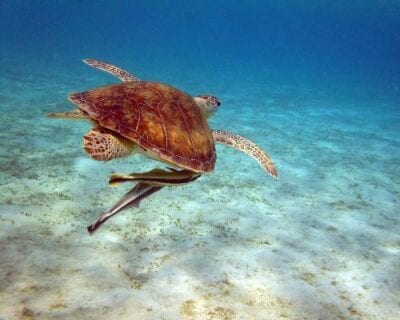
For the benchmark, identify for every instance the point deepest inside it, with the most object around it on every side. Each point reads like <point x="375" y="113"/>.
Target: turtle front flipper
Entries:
<point x="157" y="177"/>
<point x="104" y="145"/>
<point x="121" y="74"/>
<point x="245" y="145"/>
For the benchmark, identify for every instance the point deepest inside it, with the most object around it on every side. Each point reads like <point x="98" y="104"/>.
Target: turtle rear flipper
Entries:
<point x="76" y="114"/>
<point x="105" y="145"/>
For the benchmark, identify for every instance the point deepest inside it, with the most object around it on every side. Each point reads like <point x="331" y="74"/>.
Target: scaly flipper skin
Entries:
<point x="76" y="114"/>
<point x="123" y="75"/>
<point x="105" y="145"/>
<point x="240" y="143"/>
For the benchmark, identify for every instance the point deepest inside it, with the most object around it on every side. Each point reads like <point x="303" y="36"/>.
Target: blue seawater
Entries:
<point x="316" y="84"/>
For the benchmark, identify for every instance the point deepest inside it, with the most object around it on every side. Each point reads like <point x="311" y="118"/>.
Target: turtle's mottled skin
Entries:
<point x="121" y="74"/>
<point x="163" y="121"/>
<point x="238" y="142"/>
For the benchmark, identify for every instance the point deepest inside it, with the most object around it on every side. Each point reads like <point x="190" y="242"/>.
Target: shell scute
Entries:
<point x="158" y="117"/>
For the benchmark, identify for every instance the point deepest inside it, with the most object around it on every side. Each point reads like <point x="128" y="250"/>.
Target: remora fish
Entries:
<point x="158" y="177"/>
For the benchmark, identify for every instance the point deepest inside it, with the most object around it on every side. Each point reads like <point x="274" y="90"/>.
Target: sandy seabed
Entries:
<point x="323" y="242"/>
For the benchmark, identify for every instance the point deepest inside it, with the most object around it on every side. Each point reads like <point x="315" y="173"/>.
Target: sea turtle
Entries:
<point x="159" y="121"/>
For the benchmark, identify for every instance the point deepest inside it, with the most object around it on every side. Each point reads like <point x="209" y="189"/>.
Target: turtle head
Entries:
<point x="209" y="104"/>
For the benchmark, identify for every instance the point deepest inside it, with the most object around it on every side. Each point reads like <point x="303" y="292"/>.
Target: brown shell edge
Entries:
<point x="195" y="165"/>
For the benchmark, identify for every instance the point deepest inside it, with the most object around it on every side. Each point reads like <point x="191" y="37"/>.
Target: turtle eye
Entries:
<point x="218" y="103"/>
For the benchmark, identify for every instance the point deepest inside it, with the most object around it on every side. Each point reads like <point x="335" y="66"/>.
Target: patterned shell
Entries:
<point x="163" y="120"/>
